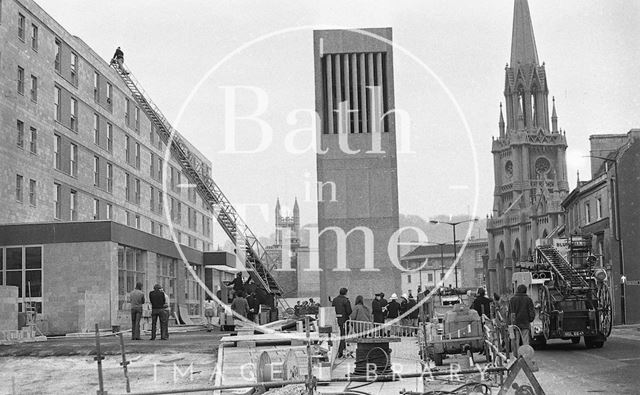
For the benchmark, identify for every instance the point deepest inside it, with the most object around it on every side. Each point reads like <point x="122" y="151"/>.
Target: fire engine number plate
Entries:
<point x="574" y="334"/>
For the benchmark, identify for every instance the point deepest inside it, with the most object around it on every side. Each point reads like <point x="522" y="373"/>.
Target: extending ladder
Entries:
<point x="257" y="262"/>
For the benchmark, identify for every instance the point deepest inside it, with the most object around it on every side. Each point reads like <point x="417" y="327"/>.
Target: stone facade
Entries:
<point x="36" y="156"/>
<point x="530" y="170"/>
<point x="76" y="147"/>
<point x="356" y="167"/>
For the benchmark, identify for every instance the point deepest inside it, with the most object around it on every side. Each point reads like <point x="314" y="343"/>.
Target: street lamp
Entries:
<point x="623" y="313"/>
<point x="455" y="250"/>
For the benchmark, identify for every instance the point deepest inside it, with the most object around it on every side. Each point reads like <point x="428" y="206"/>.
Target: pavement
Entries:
<point x="196" y="341"/>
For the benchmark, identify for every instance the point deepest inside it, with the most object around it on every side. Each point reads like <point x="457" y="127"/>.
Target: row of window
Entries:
<point x="33" y="90"/>
<point x="587" y="211"/>
<point x="20" y="185"/>
<point x="22" y="27"/>
<point x="33" y="137"/>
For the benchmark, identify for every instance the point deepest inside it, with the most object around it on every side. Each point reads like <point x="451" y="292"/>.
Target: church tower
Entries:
<point x="529" y="162"/>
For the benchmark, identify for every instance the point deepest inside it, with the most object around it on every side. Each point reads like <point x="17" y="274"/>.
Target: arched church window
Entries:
<point x="534" y="105"/>
<point x="522" y="105"/>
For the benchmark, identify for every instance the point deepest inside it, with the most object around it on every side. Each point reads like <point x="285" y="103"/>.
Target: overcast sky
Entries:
<point x="590" y="49"/>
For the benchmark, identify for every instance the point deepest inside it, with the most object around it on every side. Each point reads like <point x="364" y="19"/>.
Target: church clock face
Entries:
<point x="508" y="169"/>
<point x="542" y="165"/>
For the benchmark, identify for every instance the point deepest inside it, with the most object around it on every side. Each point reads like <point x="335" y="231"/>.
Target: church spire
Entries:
<point x="523" y="43"/>
<point x="554" y="117"/>
<point x="501" y="122"/>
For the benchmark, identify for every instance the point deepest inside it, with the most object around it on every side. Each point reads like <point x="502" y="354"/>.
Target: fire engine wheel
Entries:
<point x="593" y="342"/>
<point x="575" y="340"/>
<point x="604" y="303"/>
<point x="545" y="302"/>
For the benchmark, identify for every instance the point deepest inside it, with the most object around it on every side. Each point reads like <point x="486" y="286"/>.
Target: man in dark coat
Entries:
<point x="482" y="304"/>
<point x="393" y="308"/>
<point x="522" y="312"/>
<point x="377" y="309"/>
<point x="343" y="311"/>
<point x="158" y="302"/>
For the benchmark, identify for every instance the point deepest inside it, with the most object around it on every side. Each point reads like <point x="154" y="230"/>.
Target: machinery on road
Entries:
<point x="571" y="294"/>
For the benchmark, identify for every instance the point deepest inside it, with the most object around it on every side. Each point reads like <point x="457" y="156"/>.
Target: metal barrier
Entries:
<point x="358" y="329"/>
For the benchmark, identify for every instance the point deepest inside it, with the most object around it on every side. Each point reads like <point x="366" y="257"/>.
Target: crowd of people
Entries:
<point x="518" y="310"/>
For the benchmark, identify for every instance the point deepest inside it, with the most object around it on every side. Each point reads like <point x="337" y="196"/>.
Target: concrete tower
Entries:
<point x="530" y="168"/>
<point x="356" y="164"/>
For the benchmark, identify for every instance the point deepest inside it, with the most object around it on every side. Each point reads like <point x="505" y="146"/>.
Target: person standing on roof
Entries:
<point x="118" y="58"/>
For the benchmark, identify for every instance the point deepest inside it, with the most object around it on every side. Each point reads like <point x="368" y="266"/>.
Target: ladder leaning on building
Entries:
<point x="257" y="262"/>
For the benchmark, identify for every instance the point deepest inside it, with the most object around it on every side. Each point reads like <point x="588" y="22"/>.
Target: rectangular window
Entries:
<point x="127" y="183"/>
<point x="21" y="25"/>
<point x="109" y="211"/>
<point x="128" y="215"/>
<point x="58" y="57"/>
<point x="429" y="277"/>
<point x="160" y="202"/>
<point x="153" y="227"/>
<point x="96" y="129"/>
<point x="96" y="209"/>
<point x="137" y="221"/>
<point x="73" y="119"/>
<point x="56" y="151"/>
<point x="192" y="291"/>
<point x="160" y="164"/>
<point x="19" y="182"/>
<point x="137" y="119"/>
<point x="73" y="204"/>
<point x="598" y="208"/>
<point x="152" y="135"/>
<point x="32" y="192"/>
<point x="138" y="156"/>
<point x="34" y="88"/>
<point x="109" y="137"/>
<point x="57" y="203"/>
<point x="109" y="94"/>
<point x="587" y="213"/>
<point x="34" y="37"/>
<point x="96" y="86"/>
<point x="24" y="270"/>
<point x="179" y="212"/>
<point x="74" y="68"/>
<point x="96" y="171"/>
<point x="73" y="160"/>
<point x="152" y="198"/>
<point x="20" y="80"/>
<point x="109" y="177"/>
<point x="33" y="144"/>
<point x="127" y="105"/>
<point x="131" y="270"/>
<point x="137" y="191"/>
<point x="20" y="129"/>
<point x="56" y="103"/>
<point x="127" y="143"/>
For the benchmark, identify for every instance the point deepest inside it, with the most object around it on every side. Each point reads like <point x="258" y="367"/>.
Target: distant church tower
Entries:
<point x="292" y="224"/>
<point x="529" y="162"/>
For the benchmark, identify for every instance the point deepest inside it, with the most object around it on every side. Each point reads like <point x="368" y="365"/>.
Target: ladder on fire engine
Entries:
<point x="257" y="262"/>
<point x="562" y="268"/>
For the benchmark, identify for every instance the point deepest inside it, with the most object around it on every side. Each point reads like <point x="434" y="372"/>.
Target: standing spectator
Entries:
<point x="157" y="299"/>
<point x="377" y="309"/>
<point x="403" y="309"/>
<point x="237" y="284"/>
<point x="522" y="313"/>
<point x="209" y="308"/>
<point x="343" y="311"/>
<point x="254" y="307"/>
<point x="240" y="304"/>
<point x="482" y="304"/>
<point x="360" y="311"/>
<point x="412" y="316"/>
<point x="137" y="300"/>
<point x="166" y="312"/>
<point x="393" y="308"/>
